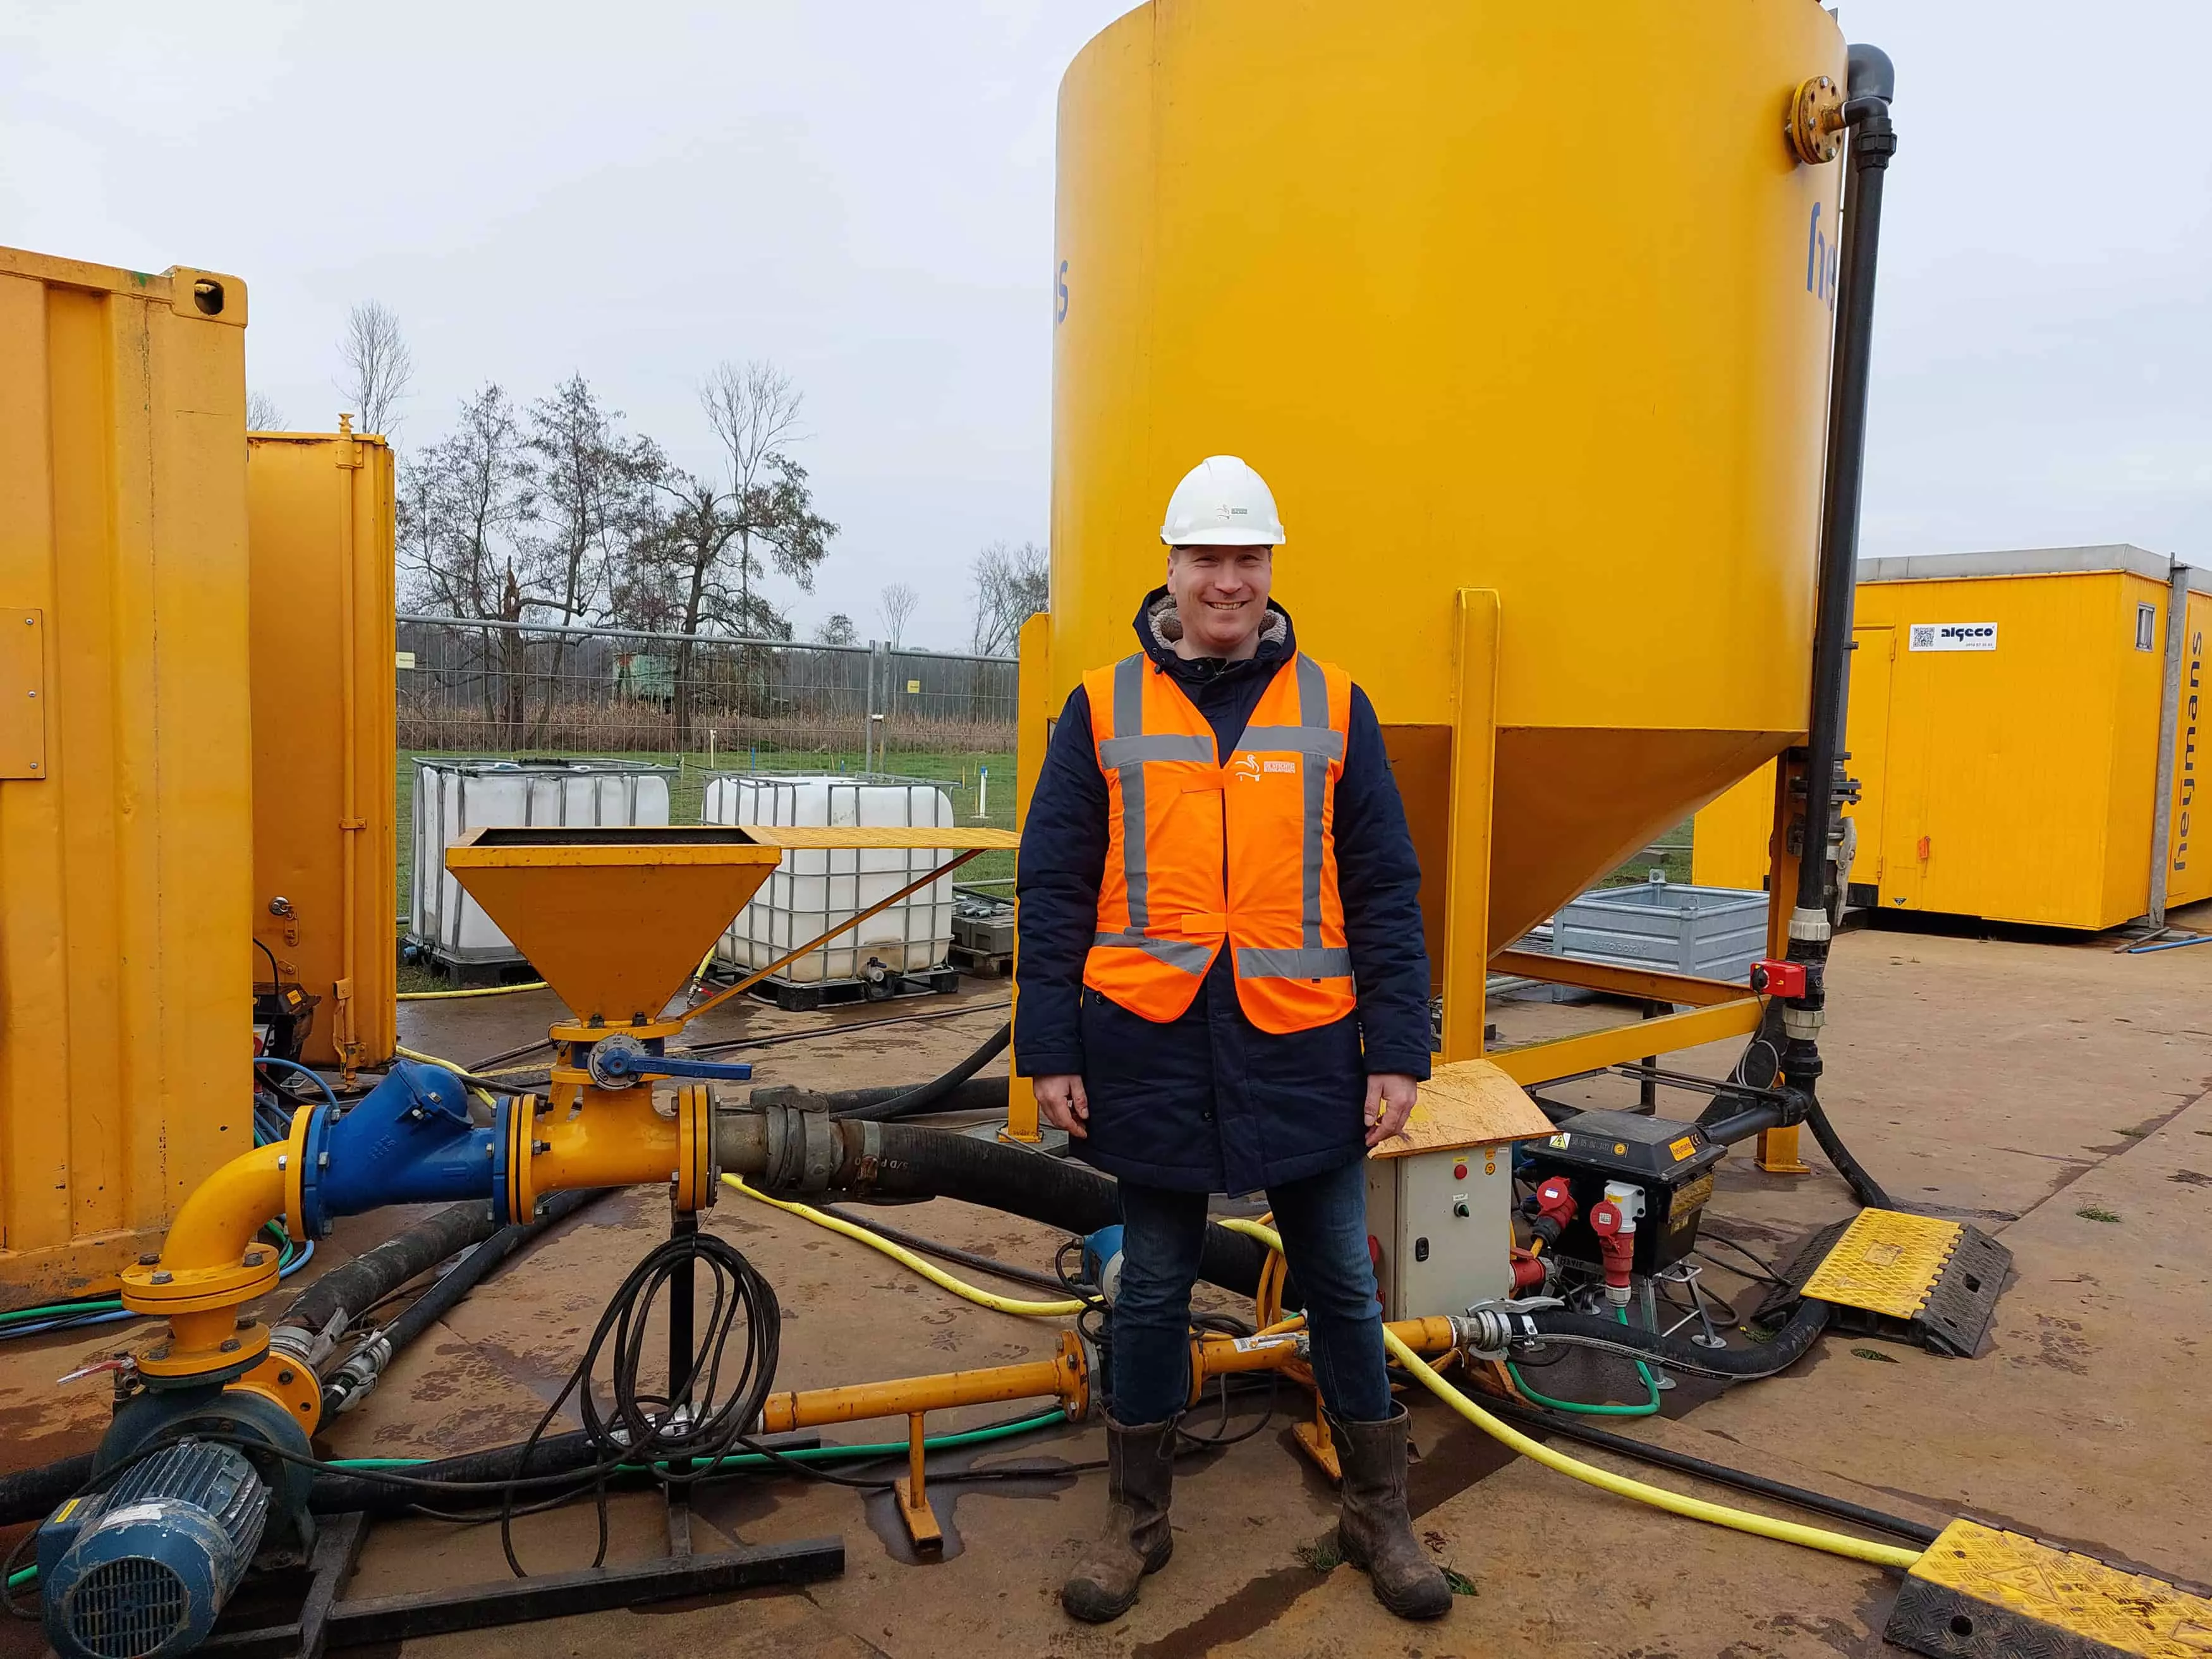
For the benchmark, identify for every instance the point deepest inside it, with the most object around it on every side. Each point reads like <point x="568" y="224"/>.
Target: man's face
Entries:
<point x="1220" y="594"/>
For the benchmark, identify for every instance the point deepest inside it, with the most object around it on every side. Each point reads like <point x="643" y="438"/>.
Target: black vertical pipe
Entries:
<point x="1871" y="143"/>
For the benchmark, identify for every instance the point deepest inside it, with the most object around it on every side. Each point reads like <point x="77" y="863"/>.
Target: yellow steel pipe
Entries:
<point x="211" y="1263"/>
<point x="1065" y="1377"/>
<point x="1213" y="1356"/>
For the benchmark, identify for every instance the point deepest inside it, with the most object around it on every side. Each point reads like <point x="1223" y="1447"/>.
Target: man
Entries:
<point x="1223" y="987"/>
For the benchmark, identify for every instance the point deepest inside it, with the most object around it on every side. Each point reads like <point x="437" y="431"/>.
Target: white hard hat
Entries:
<point x="1222" y="503"/>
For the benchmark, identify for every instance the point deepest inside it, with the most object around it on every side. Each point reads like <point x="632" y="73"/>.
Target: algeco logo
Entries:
<point x="1248" y="767"/>
<point x="1952" y="637"/>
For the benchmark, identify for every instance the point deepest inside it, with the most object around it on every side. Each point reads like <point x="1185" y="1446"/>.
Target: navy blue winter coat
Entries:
<point x="1209" y="1102"/>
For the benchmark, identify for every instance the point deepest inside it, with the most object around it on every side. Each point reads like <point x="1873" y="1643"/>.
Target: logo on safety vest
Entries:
<point x="1248" y="767"/>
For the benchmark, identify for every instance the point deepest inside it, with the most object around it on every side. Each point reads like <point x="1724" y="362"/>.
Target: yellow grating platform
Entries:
<point x="1886" y="1262"/>
<point x="1978" y="1591"/>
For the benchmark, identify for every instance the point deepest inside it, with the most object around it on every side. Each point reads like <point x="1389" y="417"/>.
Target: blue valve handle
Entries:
<point x="620" y="1055"/>
<point x="733" y="1071"/>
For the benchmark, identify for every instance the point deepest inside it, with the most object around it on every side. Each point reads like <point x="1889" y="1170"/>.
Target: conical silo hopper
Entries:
<point x="1524" y="311"/>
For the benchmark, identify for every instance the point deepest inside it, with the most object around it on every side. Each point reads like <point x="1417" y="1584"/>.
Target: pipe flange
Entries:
<point x="1816" y="122"/>
<point x="1077" y="1361"/>
<point x="163" y="1290"/>
<point x="294" y="1163"/>
<point x="514" y="1185"/>
<point x="695" y="1185"/>
<point x="175" y="1366"/>
<point x="280" y="1377"/>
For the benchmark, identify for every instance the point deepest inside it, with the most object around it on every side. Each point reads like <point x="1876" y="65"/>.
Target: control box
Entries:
<point x="1670" y="1160"/>
<point x="1440" y="1197"/>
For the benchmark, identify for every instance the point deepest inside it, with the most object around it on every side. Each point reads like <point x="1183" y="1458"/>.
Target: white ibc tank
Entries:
<point x="454" y="797"/>
<point x="813" y="891"/>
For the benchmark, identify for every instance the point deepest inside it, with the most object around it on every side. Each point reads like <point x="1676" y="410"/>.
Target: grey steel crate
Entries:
<point x="1714" y="932"/>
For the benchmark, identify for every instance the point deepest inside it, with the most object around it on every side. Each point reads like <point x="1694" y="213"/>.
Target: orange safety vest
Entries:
<point x="1198" y="853"/>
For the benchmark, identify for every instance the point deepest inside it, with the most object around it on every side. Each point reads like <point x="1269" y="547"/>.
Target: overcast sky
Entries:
<point x="862" y="192"/>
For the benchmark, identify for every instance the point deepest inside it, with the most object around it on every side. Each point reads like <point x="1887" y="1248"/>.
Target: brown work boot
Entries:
<point x="1374" y="1532"/>
<point x="1139" y="1474"/>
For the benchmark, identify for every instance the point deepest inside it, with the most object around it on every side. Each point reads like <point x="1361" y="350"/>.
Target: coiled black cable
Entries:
<point x="687" y="1431"/>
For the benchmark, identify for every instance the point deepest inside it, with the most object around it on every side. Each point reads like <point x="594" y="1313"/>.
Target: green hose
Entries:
<point x="746" y="1461"/>
<point x="1650" y="1407"/>
<point x="114" y="1304"/>
<point x="807" y="1455"/>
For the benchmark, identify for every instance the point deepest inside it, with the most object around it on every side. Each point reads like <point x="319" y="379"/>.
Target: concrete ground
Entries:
<point x="2054" y="1092"/>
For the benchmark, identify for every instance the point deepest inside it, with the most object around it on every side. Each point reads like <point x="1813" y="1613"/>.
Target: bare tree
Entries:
<point x="837" y="630"/>
<point x="262" y="414"/>
<point x="754" y="410"/>
<point x="1011" y="585"/>
<point x="379" y="368"/>
<point x="895" y="604"/>
<point x="463" y="501"/>
<point x="585" y="479"/>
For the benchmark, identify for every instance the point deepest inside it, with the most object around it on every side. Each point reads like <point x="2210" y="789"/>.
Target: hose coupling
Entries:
<point x="1801" y="1024"/>
<point x="352" y="1382"/>
<point x="1487" y="1330"/>
<point x="1810" y="927"/>
<point x="804" y="1150"/>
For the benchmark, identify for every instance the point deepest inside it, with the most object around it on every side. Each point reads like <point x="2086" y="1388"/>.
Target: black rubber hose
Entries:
<point x="1819" y="1503"/>
<point x="917" y="1163"/>
<point x="1788" y="1346"/>
<point x="1864" y="1188"/>
<point x="33" y="1494"/>
<point x="1006" y="1270"/>
<point x="926" y="1097"/>
<point x="375" y="1274"/>
<point x="977" y="1094"/>
<point x="434" y="1303"/>
<point x="472" y="1269"/>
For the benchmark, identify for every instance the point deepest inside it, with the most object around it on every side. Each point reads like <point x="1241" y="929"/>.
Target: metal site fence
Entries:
<point x="501" y="688"/>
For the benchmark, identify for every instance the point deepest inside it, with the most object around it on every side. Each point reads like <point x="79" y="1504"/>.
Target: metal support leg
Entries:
<point x="913" y="1497"/>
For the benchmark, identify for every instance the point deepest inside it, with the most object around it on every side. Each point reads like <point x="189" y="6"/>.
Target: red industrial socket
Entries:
<point x="1555" y="1201"/>
<point x="1616" y="1243"/>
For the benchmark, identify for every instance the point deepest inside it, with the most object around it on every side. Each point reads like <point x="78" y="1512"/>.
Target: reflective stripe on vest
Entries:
<point x="1149" y="957"/>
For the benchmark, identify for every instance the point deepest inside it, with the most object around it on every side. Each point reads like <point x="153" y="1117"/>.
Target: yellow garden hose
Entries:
<point x="479" y="991"/>
<point x="906" y="1258"/>
<point x="1786" y="1532"/>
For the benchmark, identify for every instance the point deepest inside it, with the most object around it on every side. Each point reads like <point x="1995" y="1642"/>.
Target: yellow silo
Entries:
<point x="1504" y="300"/>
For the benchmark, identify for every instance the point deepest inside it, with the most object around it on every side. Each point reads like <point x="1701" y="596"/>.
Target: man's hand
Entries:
<point x="1065" y="1106"/>
<point x="1390" y="1097"/>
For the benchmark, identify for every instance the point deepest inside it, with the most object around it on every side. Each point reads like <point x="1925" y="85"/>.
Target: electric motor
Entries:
<point x="140" y="1570"/>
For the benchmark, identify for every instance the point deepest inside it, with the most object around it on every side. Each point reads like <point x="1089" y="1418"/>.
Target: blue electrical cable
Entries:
<point x="272" y="1060"/>
<point x="98" y="1315"/>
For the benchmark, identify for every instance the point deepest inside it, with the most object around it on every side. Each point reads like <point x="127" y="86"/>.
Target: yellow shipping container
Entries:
<point x="125" y="825"/>
<point x="2004" y="727"/>
<point x="321" y="526"/>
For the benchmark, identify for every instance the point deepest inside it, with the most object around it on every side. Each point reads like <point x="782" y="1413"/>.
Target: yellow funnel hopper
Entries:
<point x="615" y="919"/>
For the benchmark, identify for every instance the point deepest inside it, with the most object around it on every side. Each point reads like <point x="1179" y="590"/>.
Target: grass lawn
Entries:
<point x="956" y="772"/>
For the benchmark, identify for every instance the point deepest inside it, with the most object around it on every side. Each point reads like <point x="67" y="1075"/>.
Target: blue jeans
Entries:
<point x="1323" y="1223"/>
